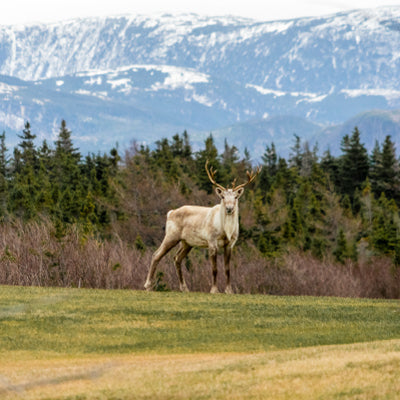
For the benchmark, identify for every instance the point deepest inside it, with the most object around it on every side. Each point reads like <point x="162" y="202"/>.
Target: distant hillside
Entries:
<point x="373" y="125"/>
<point x="257" y="134"/>
<point x="136" y="77"/>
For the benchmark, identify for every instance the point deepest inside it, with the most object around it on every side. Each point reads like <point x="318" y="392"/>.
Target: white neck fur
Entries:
<point x="229" y="222"/>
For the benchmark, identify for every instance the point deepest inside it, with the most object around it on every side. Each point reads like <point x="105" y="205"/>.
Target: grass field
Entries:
<point x="98" y="344"/>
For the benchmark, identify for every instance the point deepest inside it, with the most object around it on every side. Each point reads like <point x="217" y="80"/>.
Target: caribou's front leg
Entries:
<point x="180" y="255"/>
<point x="213" y="250"/>
<point x="227" y="259"/>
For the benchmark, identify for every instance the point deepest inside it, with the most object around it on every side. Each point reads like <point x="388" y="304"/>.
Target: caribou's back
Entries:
<point x="193" y="224"/>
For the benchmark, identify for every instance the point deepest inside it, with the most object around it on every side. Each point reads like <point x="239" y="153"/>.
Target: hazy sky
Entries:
<point x="22" y="11"/>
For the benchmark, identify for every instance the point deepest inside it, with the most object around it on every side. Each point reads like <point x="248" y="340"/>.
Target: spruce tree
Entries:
<point x="330" y="165"/>
<point x="269" y="170"/>
<point x="375" y="168"/>
<point x="384" y="170"/>
<point x="177" y="146"/>
<point x="27" y="144"/>
<point x="209" y="153"/>
<point x="296" y="155"/>
<point x="341" y="250"/>
<point x="67" y="177"/>
<point x="187" y="148"/>
<point x="229" y="160"/>
<point x="3" y="175"/>
<point x="64" y="145"/>
<point x="25" y="184"/>
<point x="389" y="173"/>
<point x="270" y="159"/>
<point x="385" y="227"/>
<point x="354" y="164"/>
<point x="3" y="155"/>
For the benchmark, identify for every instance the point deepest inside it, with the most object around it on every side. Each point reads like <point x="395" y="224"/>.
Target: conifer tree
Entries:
<point x="384" y="170"/>
<point x="354" y="164"/>
<point x="385" y="227"/>
<point x="341" y="250"/>
<point x="296" y="156"/>
<point x="25" y="185"/>
<point x="270" y="159"/>
<point x="229" y="160"/>
<point x="67" y="177"/>
<point x="28" y="153"/>
<point x="270" y="167"/>
<point x="375" y="167"/>
<point x="187" y="148"/>
<point x="177" y="146"/>
<point x="3" y="175"/>
<point x="209" y="153"/>
<point x="64" y="143"/>
<point x="330" y="165"/>
<point x="387" y="171"/>
<point x="3" y="155"/>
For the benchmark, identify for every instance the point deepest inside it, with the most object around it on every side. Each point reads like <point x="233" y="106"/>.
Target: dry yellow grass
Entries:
<point x="357" y="371"/>
<point x="92" y="344"/>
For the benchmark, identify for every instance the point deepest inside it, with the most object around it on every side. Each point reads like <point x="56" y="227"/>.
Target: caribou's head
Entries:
<point x="229" y="197"/>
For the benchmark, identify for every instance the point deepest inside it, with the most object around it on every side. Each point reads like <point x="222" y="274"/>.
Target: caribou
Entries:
<point x="208" y="227"/>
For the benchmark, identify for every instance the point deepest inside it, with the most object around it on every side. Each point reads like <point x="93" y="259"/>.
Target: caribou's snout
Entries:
<point x="230" y="210"/>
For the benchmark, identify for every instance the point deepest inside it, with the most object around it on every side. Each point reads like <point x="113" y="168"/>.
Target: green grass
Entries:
<point x="77" y="322"/>
<point x="97" y="344"/>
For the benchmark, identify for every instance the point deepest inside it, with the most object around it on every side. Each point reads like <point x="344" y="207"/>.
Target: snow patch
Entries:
<point x="304" y="96"/>
<point x="316" y="98"/>
<point x="124" y="82"/>
<point x="265" y="91"/>
<point x="7" y="89"/>
<point x="93" y="81"/>
<point x="179" y="78"/>
<point x="389" y="94"/>
<point x="100" y="95"/>
<point x="202" y="100"/>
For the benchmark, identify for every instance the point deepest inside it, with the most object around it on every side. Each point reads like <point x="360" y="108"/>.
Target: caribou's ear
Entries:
<point x="239" y="192"/>
<point x="219" y="192"/>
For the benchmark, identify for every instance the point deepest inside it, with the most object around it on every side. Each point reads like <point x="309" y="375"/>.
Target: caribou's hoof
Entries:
<point x="229" y="290"/>
<point x="214" y="290"/>
<point x="183" y="288"/>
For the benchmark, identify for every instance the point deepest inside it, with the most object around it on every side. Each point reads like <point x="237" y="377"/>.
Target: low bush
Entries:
<point x="33" y="254"/>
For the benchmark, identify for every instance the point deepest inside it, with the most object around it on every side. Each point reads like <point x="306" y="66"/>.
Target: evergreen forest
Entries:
<point x="311" y="224"/>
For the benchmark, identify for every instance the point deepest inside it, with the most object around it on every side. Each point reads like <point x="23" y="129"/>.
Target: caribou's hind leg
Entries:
<point x="165" y="247"/>
<point x="183" y="251"/>
<point x="213" y="250"/>
<point x="227" y="259"/>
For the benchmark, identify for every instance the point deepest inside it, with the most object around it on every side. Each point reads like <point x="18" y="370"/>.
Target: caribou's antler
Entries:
<point x="211" y="174"/>
<point x="250" y="178"/>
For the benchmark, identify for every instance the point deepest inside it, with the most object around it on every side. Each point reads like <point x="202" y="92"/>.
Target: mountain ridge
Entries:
<point x="142" y="78"/>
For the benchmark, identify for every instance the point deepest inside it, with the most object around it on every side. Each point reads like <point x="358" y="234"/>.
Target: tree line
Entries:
<point x="340" y="207"/>
<point x="335" y="209"/>
<point x="56" y="181"/>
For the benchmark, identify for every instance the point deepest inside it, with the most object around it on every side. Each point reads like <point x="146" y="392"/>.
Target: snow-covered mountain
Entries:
<point x="123" y="78"/>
